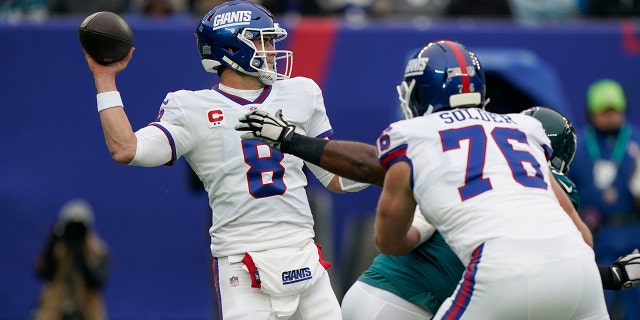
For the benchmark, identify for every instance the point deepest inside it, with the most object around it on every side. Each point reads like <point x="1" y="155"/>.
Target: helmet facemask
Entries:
<point x="566" y="145"/>
<point x="407" y="104"/>
<point x="266" y="64"/>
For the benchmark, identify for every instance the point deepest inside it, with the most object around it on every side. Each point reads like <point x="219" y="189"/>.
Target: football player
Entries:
<point x="625" y="272"/>
<point x="359" y="163"/>
<point x="266" y="263"/>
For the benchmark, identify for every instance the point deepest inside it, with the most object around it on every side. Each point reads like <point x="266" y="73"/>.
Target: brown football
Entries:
<point x="105" y="36"/>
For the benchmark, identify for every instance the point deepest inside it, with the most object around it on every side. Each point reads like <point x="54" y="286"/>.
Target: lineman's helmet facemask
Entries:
<point x="226" y="37"/>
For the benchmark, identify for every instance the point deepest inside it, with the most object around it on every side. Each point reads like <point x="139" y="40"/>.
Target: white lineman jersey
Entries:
<point x="482" y="179"/>
<point x="478" y="175"/>
<point x="256" y="194"/>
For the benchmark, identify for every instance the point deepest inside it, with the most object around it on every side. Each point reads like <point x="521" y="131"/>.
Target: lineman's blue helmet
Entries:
<point x="443" y="74"/>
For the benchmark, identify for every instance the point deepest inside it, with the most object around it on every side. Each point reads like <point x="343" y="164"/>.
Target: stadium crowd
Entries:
<point x="521" y="10"/>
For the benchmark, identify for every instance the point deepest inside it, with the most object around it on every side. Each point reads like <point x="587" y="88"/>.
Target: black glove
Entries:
<point x="274" y="131"/>
<point x="627" y="269"/>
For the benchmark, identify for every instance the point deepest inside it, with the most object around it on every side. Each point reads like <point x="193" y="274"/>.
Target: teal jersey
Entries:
<point x="426" y="276"/>
<point x="430" y="273"/>
<point x="569" y="188"/>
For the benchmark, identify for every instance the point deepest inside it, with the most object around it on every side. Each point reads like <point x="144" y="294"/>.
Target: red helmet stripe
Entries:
<point x="463" y="66"/>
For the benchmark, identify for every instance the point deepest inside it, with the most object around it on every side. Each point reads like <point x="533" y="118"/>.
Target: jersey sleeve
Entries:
<point x="319" y="125"/>
<point x="174" y="123"/>
<point x="391" y="146"/>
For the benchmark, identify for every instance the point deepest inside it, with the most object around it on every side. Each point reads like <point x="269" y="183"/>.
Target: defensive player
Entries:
<point x="266" y="264"/>
<point x="625" y="272"/>
<point x="294" y="144"/>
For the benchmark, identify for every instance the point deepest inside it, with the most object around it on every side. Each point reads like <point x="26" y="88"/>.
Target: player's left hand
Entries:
<point x="629" y="267"/>
<point x="273" y="130"/>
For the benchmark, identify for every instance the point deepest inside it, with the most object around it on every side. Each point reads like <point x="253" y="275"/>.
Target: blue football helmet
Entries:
<point x="561" y="133"/>
<point x="443" y="74"/>
<point x="226" y="38"/>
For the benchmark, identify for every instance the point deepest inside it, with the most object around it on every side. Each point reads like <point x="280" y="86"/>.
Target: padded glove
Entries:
<point x="627" y="269"/>
<point x="272" y="130"/>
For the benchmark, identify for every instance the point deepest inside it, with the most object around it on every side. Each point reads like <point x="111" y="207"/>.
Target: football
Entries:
<point x="105" y="36"/>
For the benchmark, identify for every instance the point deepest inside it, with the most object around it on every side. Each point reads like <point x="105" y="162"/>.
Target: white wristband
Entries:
<point x="108" y="100"/>
<point x="349" y="185"/>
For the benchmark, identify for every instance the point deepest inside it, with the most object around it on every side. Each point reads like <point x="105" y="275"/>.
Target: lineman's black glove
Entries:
<point x="274" y="131"/>
<point x="627" y="269"/>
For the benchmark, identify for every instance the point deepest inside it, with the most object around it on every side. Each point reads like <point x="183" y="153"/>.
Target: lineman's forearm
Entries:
<point x="349" y="159"/>
<point x="353" y="160"/>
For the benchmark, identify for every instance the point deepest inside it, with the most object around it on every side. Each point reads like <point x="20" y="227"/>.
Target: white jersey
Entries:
<point x="256" y="194"/>
<point x="479" y="176"/>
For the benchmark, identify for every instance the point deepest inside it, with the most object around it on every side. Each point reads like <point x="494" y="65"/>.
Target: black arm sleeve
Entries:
<point x="609" y="279"/>
<point x="349" y="159"/>
<point x="305" y="148"/>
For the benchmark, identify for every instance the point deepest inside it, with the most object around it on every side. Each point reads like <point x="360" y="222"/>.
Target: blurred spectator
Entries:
<point x="606" y="170"/>
<point x="479" y="8"/>
<point x="86" y="7"/>
<point x="535" y="11"/>
<point x="292" y="7"/>
<point x="277" y="7"/>
<point x="611" y="8"/>
<point x="73" y="266"/>
<point x="159" y="8"/>
<point x="200" y="7"/>
<point x="409" y="8"/>
<point x="17" y="10"/>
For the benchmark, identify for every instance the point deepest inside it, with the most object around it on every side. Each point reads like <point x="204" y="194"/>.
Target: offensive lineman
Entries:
<point x="467" y="171"/>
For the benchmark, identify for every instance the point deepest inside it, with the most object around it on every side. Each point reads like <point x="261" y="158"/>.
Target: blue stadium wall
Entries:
<point x="52" y="147"/>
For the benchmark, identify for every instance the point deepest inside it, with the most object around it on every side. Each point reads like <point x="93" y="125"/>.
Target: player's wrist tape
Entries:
<point x="305" y="148"/>
<point x="425" y="229"/>
<point x="108" y="100"/>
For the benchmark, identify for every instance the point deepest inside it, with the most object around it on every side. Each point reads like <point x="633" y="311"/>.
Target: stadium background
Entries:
<point x="154" y="222"/>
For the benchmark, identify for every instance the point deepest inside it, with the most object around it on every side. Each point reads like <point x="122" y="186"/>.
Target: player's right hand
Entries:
<point x="111" y="68"/>
<point x="273" y="130"/>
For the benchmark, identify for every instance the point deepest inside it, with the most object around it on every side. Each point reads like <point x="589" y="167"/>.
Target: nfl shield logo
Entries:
<point x="233" y="281"/>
